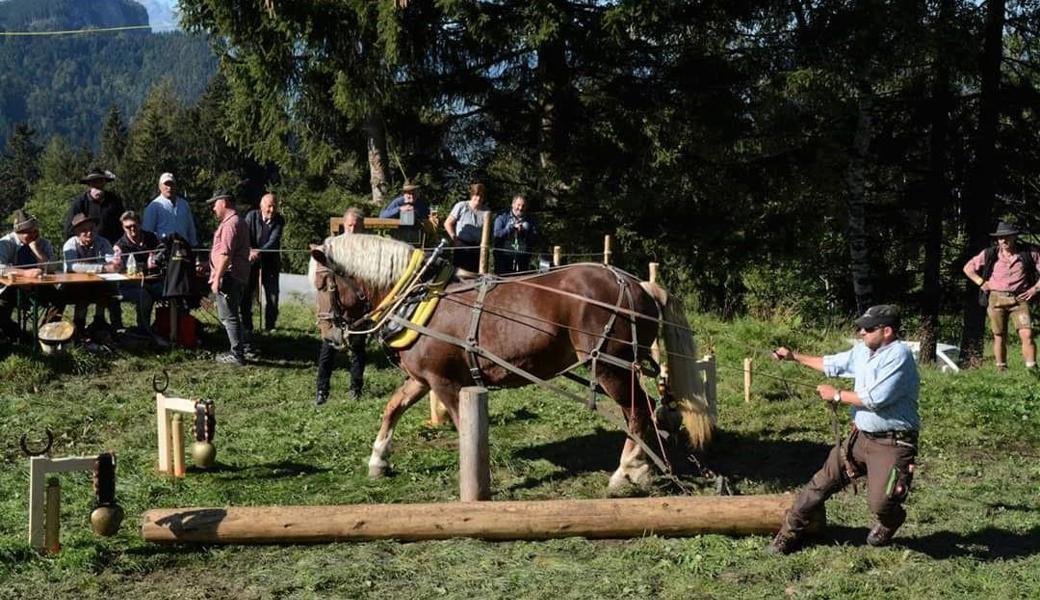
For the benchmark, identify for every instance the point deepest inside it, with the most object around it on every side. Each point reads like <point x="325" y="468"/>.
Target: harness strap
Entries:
<point x="477" y="350"/>
<point x="477" y="309"/>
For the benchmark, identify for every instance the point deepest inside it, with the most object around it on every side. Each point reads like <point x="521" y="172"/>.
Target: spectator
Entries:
<point x="515" y="238"/>
<point x="23" y="253"/>
<point x="408" y="201"/>
<point x="265" y="241"/>
<point x="87" y="252"/>
<point x="1006" y="274"/>
<point x="353" y="222"/>
<point x="883" y="443"/>
<point x="465" y="225"/>
<point x="140" y="244"/>
<point x="229" y="273"/>
<point x="169" y="213"/>
<point x="98" y="204"/>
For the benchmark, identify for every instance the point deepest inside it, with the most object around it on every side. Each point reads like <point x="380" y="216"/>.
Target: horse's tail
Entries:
<point x="678" y="361"/>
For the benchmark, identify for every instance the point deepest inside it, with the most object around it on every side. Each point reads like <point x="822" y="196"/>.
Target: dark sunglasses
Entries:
<point x="870" y="329"/>
<point x="130" y="226"/>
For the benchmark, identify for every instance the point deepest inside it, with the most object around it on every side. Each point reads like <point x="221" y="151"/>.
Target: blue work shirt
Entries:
<point x="886" y="382"/>
<point x="163" y="217"/>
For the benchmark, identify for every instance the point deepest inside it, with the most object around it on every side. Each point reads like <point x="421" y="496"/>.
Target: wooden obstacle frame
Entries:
<point x="45" y="496"/>
<point x="170" y="432"/>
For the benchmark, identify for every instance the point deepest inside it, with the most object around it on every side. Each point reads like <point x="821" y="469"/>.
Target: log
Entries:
<point x="513" y="520"/>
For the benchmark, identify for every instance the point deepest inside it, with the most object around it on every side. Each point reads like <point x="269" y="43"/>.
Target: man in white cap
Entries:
<point x="169" y="213"/>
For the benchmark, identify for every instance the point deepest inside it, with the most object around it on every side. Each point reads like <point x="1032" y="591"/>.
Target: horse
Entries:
<point x="540" y="323"/>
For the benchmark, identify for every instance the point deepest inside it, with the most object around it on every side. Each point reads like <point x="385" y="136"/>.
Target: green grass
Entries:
<point x="973" y="528"/>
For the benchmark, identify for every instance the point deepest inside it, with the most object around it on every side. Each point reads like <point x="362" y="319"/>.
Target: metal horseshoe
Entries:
<point x="161" y="381"/>
<point x="31" y="453"/>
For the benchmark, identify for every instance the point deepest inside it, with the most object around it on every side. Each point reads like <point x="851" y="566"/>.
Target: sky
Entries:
<point x="162" y="14"/>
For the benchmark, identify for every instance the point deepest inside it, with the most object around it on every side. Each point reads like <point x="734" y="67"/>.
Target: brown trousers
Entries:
<point x="874" y="457"/>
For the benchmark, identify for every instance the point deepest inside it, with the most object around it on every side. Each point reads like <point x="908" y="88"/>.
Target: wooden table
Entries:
<point x="28" y="284"/>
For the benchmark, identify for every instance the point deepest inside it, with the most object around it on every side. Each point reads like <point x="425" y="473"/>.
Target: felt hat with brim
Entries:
<point x="219" y="195"/>
<point x="881" y="315"/>
<point x="1005" y="229"/>
<point x="81" y="220"/>
<point x="410" y="186"/>
<point x="53" y="336"/>
<point x="23" y="221"/>
<point x="98" y="175"/>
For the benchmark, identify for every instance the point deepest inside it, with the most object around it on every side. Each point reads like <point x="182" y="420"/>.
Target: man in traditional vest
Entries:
<point x="1006" y="274"/>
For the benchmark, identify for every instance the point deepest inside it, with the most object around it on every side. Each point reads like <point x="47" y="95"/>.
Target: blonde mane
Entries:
<point x="377" y="261"/>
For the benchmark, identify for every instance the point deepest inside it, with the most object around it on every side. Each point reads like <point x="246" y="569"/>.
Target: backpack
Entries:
<point x="989" y="260"/>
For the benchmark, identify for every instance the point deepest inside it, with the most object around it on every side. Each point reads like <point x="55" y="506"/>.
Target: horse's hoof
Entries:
<point x="377" y="471"/>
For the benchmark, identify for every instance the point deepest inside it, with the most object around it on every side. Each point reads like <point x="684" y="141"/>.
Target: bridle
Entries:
<point x="337" y="315"/>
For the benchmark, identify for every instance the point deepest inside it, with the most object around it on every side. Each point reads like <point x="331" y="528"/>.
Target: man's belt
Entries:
<point x="902" y="436"/>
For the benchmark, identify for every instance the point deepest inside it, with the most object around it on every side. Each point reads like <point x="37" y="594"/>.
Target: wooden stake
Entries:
<point x="606" y="250"/>
<point x="747" y="379"/>
<point x="710" y="379"/>
<point x="653" y="272"/>
<point x="474" y="470"/>
<point x="52" y="520"/>
<point x="438" y="413"/>
<point x="511" y="520"/>
<point x="177" y="445"/>
<point x="557" y="255"/>
<point x="485" y="244"/>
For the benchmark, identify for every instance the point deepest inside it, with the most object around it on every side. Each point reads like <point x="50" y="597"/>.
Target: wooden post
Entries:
<point x="653" y="272"/>
<point x="52" y="522"/>
<point x="747" y="379"/>
<point x="606" y="250"/>
<point x="506" y="520"/>
<point x="177" y="445"/>
<point x="485" y="244"/>
<point x="163" y="408"/>
<point x="557" y="255"/>
<point x="474" y="470"/>
<point x="39" y="468"/>
<point x="438" y="412"/>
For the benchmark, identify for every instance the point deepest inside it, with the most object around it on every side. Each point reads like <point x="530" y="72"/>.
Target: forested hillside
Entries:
<point x="65" y="85"/>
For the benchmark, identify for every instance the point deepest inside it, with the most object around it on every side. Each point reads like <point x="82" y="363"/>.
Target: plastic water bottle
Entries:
<point x="131" y="265"/>
<point x="152" y="261"/>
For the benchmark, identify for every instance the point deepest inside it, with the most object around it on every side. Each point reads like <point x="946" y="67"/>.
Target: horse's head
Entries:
<point x="342" y="299"/>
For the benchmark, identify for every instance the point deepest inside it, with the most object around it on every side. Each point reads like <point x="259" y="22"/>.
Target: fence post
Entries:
<point x="474" y="469"/>
<point x="653" y="272"/>
<point x="747" y="379"/>
<point x="557" y="255"/>
<point x="485" y="244"/>
<point x="606" y="250"/>
<point x="710" y="379"/>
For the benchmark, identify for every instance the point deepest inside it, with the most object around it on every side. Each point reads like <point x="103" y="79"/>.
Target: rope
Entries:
<point x="72" y="31"/>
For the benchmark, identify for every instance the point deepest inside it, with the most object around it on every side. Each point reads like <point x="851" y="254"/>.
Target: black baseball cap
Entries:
<point x="881" y="315"/>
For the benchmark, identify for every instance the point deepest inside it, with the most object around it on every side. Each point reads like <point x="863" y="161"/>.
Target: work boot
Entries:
<point x="881" y="535"/>
<point x="355" y="394"/>
<point x="785" y="542"/>
<point x="321" y="398"/>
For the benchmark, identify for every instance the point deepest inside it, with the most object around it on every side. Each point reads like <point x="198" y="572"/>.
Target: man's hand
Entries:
<point x="109" y="268"/>
<point x="1027" y="295"/>
<point x="215" y="286"/>
<point x="826" y="392"/>
<point x="986" y="287"/>
<point x="254" y="255"/>
<point x="783" y="353"/>
<point x="27" y="273"/>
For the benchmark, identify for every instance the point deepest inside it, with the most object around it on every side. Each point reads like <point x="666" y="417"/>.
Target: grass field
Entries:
<point x="973" y="529"/>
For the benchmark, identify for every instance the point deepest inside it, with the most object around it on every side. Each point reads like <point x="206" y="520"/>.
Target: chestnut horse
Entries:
<point x="541" y="323"/>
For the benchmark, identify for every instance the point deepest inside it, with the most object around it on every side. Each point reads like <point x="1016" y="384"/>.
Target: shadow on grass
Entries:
<point x="779" y="463"/>
<point x="986" y="545"/>
<point x="599" y="451"/>
<point x="275" y="470"/>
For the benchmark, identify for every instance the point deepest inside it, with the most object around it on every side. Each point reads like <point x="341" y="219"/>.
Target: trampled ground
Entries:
<point x="973" y="530"/>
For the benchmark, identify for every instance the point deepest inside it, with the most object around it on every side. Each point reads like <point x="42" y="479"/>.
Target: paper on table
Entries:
<point x="113" y="276"/>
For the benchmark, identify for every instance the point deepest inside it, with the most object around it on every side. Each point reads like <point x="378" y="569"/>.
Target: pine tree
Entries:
<point x="19" y="168"/>
<point x="114" y="137"/>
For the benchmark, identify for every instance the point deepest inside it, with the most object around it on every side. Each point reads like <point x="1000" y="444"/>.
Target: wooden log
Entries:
<point x="474" y="469"/>
<point x="485" y="244"/>
<point x="514" y="520"/>
<point x="557" y="255"/>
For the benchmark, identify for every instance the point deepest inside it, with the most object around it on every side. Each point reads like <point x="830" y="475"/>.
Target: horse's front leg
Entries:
<point x="406" y="395"/>
<point x="634" y="467"/>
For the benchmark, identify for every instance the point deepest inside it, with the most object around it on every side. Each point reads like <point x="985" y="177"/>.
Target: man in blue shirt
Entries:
<point x="408" y="201"/>
<point x="169" y="213"/>
<point x="883" y="442"/>
<point x="516" y="235"/>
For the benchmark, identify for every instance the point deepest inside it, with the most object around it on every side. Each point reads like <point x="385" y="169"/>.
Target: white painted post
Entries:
<point x="474" y="468"/>
<point x="653" y="272"/>
<point x="557" y="255"/>
<point x="163" y="408"/>
<point x="607" y="253"/>
<point x="39" y="468"/>
<point x="710" y="379"/>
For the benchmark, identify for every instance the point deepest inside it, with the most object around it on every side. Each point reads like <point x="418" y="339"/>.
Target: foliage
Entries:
<point x="49" y="203"/>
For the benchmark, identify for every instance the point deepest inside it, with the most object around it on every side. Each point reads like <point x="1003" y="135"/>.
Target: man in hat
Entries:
<point x="516" y="236"/>
<point x="1006" y="274"/>
<point x="408" y="201"/>
<point x="265" y="238"/>
<point x="883" y="442"/>
<point x="87" y="252"/>
<point x="99" y="204"/>
<point x="353" y="223"/>
<point x="23" y="253"/>
<point x="229" y="273"/>
<point x="169" y="213"/>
